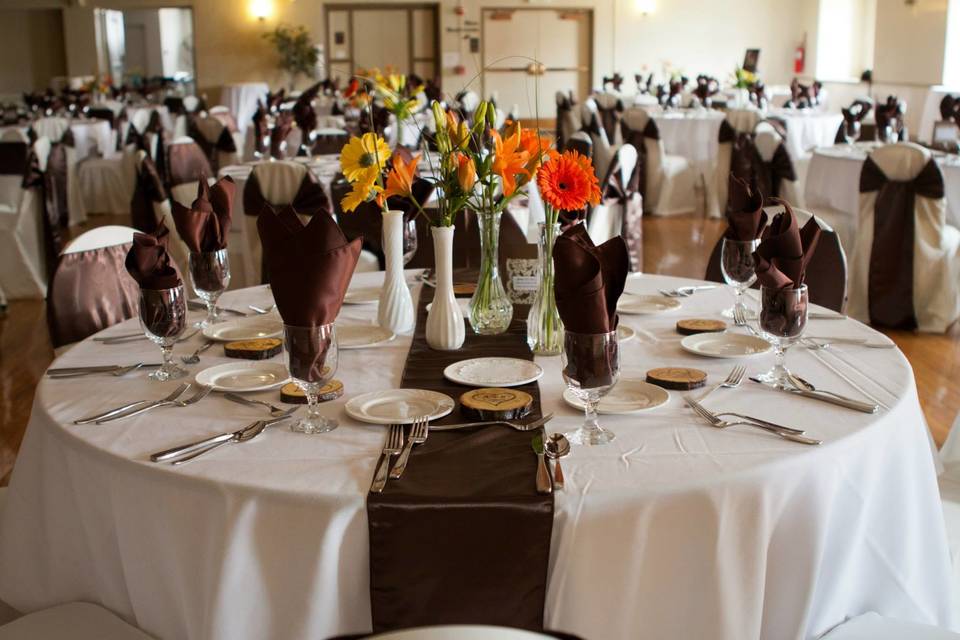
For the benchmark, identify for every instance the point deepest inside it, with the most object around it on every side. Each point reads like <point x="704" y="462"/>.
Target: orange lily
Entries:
<point x="536" y="146"/>
<point x="509" y="161"/>
<point x="466" y="172"/>
<point x="400" y="178"/>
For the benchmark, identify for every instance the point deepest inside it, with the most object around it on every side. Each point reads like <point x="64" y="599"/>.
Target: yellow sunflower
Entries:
<point x="362" y="159"/>
<point x="363" y="191"/>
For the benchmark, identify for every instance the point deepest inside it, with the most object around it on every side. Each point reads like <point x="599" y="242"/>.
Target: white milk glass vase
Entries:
<point x="395" y="312"/>
<point x="445" y="327"/>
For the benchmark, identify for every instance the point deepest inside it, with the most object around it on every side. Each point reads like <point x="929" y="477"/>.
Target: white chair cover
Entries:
<point x="191" y="103"/>
<point x="670" y="180"/>
<point x="23" y="272"/>
<point x="602" y="150"/>
<point x="606" y="220"/>
<point x="936" y="265"/>
<point x="872" y="626"/>
<point x="609" y="100"/>
<point x="767" y="141"/>
<point x="53" y="128"/>
<point x="73" y="621"/>
<point x="469" y="102"/>
<point x="107" y="236"/>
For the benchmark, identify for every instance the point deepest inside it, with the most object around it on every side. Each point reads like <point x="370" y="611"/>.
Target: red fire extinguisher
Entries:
<point x="799" y="56"/>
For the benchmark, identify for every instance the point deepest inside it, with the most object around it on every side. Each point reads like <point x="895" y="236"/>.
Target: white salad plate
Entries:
<point x="493" y="372"/>
<point x="358" y="336"/>
<point x="252" y="328"/>
<point x="633" y="304"/>
<point x="725" y="345"/>
<point x="244" y="376"/>
<point x="630" y="395"/>
<point x="399" y="406"/>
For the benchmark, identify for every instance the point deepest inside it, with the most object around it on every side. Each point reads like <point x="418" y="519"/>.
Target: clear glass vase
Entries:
<point x="544" y="328"/>
<point x="490" y="308"/>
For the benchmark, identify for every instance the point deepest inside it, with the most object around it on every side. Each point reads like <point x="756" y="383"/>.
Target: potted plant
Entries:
<point x="296" y="52"/>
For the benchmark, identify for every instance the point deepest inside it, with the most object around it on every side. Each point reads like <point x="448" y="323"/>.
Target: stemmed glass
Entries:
<point x="738" y="268"/>
<point x="851" y="131"/>
<point x="163" y="317"/>
<point x="409" y="240"/>
<point x="889" y="134"/>
<point x="591" y="368"/>
<point x="783" y="317"/>
<point x="210" y="275"/>
<point x="311" y="356"/>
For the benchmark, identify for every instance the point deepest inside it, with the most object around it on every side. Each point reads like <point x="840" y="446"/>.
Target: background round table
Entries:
<point x="676" y="529"/>
<point x="692" y="134"/>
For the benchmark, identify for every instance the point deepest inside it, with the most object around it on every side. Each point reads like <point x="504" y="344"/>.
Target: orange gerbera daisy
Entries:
<point x="567" y="182"/>
<point x="509" y="161"/>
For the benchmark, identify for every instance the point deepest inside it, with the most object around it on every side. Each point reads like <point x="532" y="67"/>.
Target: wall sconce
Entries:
<point x="645" y="6"/>
<point x="261" y="9"/>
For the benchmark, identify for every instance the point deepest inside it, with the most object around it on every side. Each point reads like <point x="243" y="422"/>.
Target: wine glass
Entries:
<point x="163" y="317"/>
<point x="783" y="317"/>
<point x="210" y="276"/>
<point x="738" y="268"/>
<point x="409" y="240"/>
<point x="311" y="356"/>
<point x="851" y="131"/>
<point x="889" y="134"/>
<point x="591" y="367"/>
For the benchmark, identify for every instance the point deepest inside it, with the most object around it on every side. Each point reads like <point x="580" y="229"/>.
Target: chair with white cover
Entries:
<point x="620" y="211"/>
<point x="90" y="289"/>
<point x="610" y="106"/>
<point x="717" y="186"/>
<point x="215" y="138"/>
<point x="187" y="164"/>
<point x="602" y="149"/>
<point x="774" y="173"/>
<point x="23" y="242"/>
<point x="469" y="101"/>
<point x="905" y="268"/>
<point x="57" y="131"/>
<point x="568" y="119"/>
<point x="72" y="621"/>
<point x="669" y="185"/>
<point x="581" y="143"/>
<point x="873" y="626"/>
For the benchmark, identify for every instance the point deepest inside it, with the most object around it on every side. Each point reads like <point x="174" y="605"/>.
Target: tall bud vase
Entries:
<point x="544" y="328"/>
<point x="445" y="328"/>
<point x="396" y="312"/>
<point x="490" y="308"/>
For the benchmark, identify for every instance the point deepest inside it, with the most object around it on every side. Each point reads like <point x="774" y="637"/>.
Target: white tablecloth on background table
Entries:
<point x="241" y="99"/>
<point x="931" y="112"/>
<point x="833" y="181"/>
<point x="691" y="134"/>
<point x="676" y="529"/>
<point x="90" y="135"/>
<point x="807" y="129"/>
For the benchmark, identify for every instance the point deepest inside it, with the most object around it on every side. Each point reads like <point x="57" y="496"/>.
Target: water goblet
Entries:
<point x="783" y="318"/>
<point x="738" y="268"/>
<point x="210" y="276"/>
<point x="163" y="317"/>
<point x="851" y="131"/>
<point x="311" y="356"/>
<point x="591" y="368"/>
<point x="409" y="240"/>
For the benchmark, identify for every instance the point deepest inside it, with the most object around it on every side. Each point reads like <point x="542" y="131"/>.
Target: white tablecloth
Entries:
<point x="242" y="100"/>
<point x="691" y="134"/>
<point x="833" y="181"/>
<point x="931" y="112"/>
<point x="807" y="129"/>
<point x="675" y="529"/>
<point x="90" y="135"/>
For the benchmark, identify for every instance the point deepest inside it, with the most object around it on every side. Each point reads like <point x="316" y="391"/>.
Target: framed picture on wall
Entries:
<point x="750" y="59"/>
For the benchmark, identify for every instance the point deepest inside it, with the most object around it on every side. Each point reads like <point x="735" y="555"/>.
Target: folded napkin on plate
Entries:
<point x="149" y="263"/>
<point x="785" y="250"/>
<point x="745" y="215"/>
<point x="589" y="280"/>
<point x="204" y="226"/>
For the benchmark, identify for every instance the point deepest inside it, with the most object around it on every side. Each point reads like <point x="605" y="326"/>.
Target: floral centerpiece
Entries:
<point x="567" y="184"/>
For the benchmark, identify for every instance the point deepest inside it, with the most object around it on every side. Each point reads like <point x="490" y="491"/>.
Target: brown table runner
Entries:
<point x="463" y="537"/>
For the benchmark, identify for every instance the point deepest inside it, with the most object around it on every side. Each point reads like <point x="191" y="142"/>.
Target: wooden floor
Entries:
<point x="675" y="246"/>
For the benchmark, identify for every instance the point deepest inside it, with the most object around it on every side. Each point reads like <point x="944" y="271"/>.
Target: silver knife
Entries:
<point x="206" y="443"/>
<point x="849" y="403"/>
<point x="543" y="476"/>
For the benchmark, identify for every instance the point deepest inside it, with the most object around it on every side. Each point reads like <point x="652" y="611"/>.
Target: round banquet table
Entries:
<point x="807" y="129"/>
<point x="676" y="529"/>
<point x="242" y="98"/>
<point x="833" y="182"/>
<point x="692" y="134"/>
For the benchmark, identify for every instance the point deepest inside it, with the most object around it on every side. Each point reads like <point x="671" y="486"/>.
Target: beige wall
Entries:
<point x="31" y="46"/>
<point x="910" y="42"/>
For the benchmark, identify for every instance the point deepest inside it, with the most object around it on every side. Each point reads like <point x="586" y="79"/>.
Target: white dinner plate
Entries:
<point x="241" y="377"/>
<point x="493" y="372"/>
<point x="725" y="345"/>
<point x="630" y="303"/>
<point x="629" y="395"/>
<point x="362" y="295"/>
<point x="251" y="328"/>
<point x="399" y="406"/>
<point x="358" y="336"/>
<point x="625" y="333"/>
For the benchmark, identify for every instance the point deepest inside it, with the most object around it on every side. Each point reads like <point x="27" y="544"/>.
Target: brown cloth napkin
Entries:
<point x="745" y="215"/>
<point x="149" y="263"/>
<point x="204" y="226"/>
<point x="439" y="551"/>
<point x="310" y="266"/>
<point x="589" y="280"/>
<point x="785" y="250"/>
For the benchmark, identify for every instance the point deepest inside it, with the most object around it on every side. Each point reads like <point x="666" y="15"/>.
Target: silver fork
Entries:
<point x="723" y="424"/>
<point x="734" y="380"/>
<point x="487" y="423"/>
<point x="261" y="310"/>
<point x="391" y="447"/>
<point x="686" y="292"/>
<point x="418" y="435"/>
<point x="194" y="358"/>
<point x="197" y="397"/>
<point x="740" y="319"/>
<point x="173" y="396"/>
<point x="274" y="410"/>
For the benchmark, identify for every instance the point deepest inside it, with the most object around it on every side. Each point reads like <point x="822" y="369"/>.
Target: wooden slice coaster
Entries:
<point x="464" y="288"/>
<point x="259" y="349"/>
<point x="677" y="378"/>
<point x="292" y="394"/>
<point x="495" y="404"/>
<point x="691" y="326"/>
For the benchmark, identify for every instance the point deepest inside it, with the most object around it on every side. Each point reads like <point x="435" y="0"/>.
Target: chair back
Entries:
<point x="568" y="119"/>
<point x="620" y="211"/>
<point x="465" y="632"/>
<point x="641" y="130"/>
<point x="90" y="288"/>
<point x="581" y="143"/>
<point x="186" y="162"/>
<point x="772" y="166"/>
<point x="279" y="181"/>
<point x="53" y="128"/>
<point x="191" y="104"/>
<point x="602" y="150"/>
<point x="826" y="274"/>
<point x="610" y="109"/>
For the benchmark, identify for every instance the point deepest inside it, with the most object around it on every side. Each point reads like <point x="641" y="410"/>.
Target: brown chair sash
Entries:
<point x="147" y="190"/>
<point x="613" y="192"/>
<point x="637" y="139"/>
<point x="186" y="163"/>
<point x="769" y="176"/>
<point x="727" y="132"/>
<point x="89" y="291"/>
<point x="890" y="284"/>
<point x="610" y="118"/>
<point x="281" y="131"/>
<point x="564" y="106"/>
<point x="224" y="143"/>
<point x="53" y="197"/>
<point x="260" y="129"/>
<point x="583" y="147"/>
<point x="13" y="158"/>
<point x="742" y="155"/>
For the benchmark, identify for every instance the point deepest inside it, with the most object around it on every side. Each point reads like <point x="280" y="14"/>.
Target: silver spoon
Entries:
<point x="556" y="447"/>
